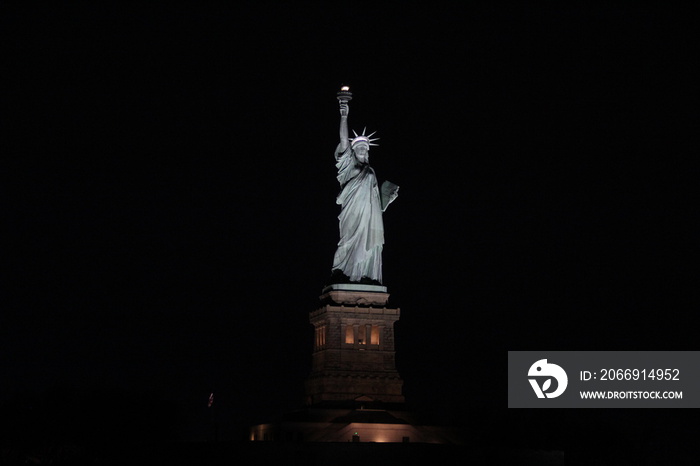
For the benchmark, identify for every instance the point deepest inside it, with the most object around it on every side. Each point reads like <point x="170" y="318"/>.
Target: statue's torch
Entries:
<point x="344" y="95"/>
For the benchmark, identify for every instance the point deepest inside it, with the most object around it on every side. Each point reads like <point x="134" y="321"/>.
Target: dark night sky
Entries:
<point x="172" y="218"/>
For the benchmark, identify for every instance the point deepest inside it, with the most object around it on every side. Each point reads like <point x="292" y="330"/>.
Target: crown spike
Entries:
<point x="363" y="138"/>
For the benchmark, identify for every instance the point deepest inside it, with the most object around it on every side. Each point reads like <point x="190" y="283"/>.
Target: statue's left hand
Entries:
<point x="394" y="194"/>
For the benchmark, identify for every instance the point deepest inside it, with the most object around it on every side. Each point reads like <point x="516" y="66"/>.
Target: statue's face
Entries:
<point x="362" y="153"/>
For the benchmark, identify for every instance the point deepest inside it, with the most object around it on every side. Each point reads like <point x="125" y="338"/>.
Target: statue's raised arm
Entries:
<point x="344" y="110"/>
<point x="359" y="255"/>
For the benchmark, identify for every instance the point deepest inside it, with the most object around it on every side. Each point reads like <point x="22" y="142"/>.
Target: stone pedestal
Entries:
<point x="354" y="392"/>
<point x="354" y="355"/>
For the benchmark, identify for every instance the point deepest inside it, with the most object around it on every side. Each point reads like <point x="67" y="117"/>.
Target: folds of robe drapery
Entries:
<point x="359" y="252"/>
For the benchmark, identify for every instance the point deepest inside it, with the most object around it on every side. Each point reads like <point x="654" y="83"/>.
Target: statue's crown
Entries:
<point x="362" y="138"/>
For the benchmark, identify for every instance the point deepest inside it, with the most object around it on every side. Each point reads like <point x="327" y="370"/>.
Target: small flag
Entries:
<point x="211" y="400"/>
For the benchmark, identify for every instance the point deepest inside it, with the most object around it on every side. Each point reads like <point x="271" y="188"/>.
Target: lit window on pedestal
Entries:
<point x="361" y="338"/>
<point x="375" y="335"/>
<point x="349" y="335"/>
<point x="320" y="336"/>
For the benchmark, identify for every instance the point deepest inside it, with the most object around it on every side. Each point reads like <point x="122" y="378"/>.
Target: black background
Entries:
<point x="172" y="219"/>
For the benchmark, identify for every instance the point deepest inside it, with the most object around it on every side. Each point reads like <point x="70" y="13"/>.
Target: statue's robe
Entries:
<point x="359" y="252"/>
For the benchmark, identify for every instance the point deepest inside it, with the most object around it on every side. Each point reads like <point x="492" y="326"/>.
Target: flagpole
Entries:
<point x="210" y="405"/>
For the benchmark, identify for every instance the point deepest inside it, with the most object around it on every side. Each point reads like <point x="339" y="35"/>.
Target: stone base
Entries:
<point x="355" y="287"/>
<point x="354" y="352"/>
<point x="381" y="388"/>
<point x="355" y="294"/>
<point x="353" y="425"/>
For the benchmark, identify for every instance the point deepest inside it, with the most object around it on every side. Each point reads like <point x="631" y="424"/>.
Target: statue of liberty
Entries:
<point x="359" y="255"/>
